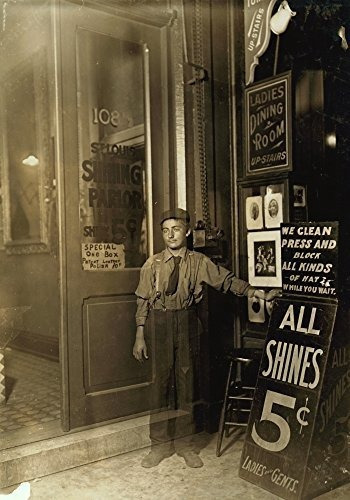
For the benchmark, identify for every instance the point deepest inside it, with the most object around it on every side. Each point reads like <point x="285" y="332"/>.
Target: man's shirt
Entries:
<point x="195" y="270"/>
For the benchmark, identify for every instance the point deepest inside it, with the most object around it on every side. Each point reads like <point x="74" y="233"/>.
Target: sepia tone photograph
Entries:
<point x="273" y="210"/>
<point x="156" y="156"/>
<point x="264" y="258"/>
<point x="254" y="212"/>
<point x="299" y="193"/>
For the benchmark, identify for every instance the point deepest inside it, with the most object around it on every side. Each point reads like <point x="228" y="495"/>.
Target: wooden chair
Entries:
<point x="239" y="393"/>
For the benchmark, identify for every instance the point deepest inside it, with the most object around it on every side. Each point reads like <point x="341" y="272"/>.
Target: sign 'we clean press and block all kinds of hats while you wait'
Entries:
<point x="296" y="444"/>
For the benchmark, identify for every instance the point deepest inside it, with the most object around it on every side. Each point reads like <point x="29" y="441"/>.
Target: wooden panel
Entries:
<point x="109" y="323"/>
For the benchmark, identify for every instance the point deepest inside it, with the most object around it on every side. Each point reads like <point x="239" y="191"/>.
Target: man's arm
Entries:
<point x="140" y="348"/>
<point x="224" y="280"/>
<point x="143" y="293"/>
<point x="141" y="311"/>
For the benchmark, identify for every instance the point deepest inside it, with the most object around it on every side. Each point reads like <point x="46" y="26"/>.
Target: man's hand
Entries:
<point x="273" y="294"/>
<point x="140" y="349"/>
<point x="267" y="296"/>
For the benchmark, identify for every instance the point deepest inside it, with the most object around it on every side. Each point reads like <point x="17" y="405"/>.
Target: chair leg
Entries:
<point x="223" y="412"/>
<point x="228" y="416"/>
<point x="236" y="403"/>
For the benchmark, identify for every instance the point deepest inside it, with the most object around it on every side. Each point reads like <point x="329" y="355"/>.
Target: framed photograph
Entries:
<point x="273" y="210"/>
<point x="299" y="193"/>
<point x="256" y="310"/>
<point x="254" y="212"/>
<point x="264" y="258"/>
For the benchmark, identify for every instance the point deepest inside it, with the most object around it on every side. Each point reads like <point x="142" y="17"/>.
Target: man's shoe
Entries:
<point x="155" y="456"/>
<point x="192" y="459"/>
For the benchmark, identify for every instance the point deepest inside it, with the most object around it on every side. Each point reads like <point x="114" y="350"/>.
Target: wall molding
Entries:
<point x="35" y="343"/>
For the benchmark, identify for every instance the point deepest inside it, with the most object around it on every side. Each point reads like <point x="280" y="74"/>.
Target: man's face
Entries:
<point x="174" y="233"/>
<point x="273" y="208"/>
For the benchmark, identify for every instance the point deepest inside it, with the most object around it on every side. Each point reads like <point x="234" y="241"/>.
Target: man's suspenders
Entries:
<point x="157" y="296"/>
<point x="194" y="269"/>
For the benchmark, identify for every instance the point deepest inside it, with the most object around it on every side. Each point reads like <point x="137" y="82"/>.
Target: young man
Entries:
<point x="170" y="287"/>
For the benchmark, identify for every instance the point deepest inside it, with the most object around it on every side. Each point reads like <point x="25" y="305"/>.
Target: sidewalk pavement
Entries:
<point x="123" y="478"/>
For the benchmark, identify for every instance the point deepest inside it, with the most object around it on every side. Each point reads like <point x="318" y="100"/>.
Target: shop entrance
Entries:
<point x="84" y="168"/>
<point x="113" y="164"/>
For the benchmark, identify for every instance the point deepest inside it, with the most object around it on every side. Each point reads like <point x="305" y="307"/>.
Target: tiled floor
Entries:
<point x="32" y="391"/>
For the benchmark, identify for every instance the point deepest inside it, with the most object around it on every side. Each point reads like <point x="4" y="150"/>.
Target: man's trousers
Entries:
<point x="176" y="352"/>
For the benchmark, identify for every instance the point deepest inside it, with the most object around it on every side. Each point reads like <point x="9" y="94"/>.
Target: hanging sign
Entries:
<point x="257" y="14"/>
<point x="268" y="125"/>
<point x="102" y="256"/>
<point x="309" y="258"/>
<point x="286" y="400"/>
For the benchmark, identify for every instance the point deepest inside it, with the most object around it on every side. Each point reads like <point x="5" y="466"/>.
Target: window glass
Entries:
<point x="112" y="152"/>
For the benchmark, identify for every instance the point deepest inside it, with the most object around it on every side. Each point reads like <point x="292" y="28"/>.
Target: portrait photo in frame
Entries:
<point x="256" y="310"/>
<point x="299" y="196"/>
<point x="273" y="210"/>
<point x="254" y="212"/>
<point x="264" y="258"/>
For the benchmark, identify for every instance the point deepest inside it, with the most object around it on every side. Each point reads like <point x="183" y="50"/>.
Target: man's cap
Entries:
<point x="175" y="213"/>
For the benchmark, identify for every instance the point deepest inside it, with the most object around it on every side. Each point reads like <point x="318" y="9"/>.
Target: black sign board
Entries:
<point x="283" y="414"/>
<point x="268" y="125"/>
<point x="310" y="259"/>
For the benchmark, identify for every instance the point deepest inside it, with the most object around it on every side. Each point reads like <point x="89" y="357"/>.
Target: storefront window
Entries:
<point x="26" y="167"/>
<point x="112" y="178"/>
<point x="29" y="265"/>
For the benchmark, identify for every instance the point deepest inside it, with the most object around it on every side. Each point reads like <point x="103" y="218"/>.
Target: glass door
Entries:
<point x="113" y="168"/>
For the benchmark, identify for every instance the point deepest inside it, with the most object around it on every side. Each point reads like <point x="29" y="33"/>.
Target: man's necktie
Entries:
<point x="174" y="277"/>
